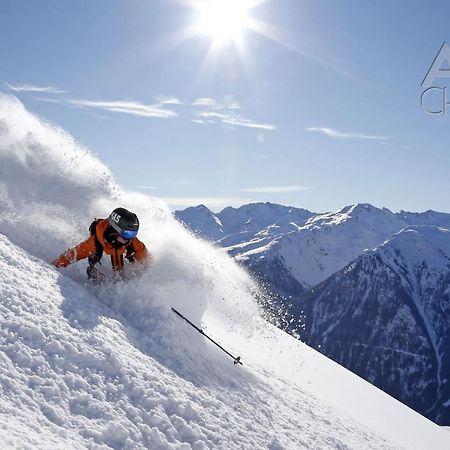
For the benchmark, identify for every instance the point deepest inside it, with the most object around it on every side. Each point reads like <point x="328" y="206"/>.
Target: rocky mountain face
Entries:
<point x="386" y="317"/>
<point x="369" y="288"/>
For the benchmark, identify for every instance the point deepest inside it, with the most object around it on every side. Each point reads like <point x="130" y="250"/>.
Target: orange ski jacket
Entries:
<point x="133" y="250"/>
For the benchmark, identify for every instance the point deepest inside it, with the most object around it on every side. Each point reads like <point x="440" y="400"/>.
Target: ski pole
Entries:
<point x="237" y="360"/>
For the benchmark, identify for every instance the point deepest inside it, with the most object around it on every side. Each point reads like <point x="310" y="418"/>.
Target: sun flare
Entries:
<point x="223" y="20"/>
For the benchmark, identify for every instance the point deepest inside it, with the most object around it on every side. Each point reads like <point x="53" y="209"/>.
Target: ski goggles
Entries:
<point x="128" y="234"/>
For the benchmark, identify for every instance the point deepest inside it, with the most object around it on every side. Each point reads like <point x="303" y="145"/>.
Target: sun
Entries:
<point x="223" y="20"/>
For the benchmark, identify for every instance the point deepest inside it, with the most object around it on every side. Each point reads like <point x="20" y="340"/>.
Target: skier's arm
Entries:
<point x="141" y="253"/>
<point x="81" y="251"/>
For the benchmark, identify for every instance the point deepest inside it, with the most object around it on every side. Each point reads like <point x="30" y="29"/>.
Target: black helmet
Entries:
<point x="124" y="222"/>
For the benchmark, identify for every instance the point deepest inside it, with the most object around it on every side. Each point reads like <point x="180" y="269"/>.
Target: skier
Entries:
<point x="115" y="236"/>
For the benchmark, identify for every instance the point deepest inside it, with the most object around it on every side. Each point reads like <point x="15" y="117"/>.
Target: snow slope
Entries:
<point x="76" y="373"/>
<point x="111" y="367"/>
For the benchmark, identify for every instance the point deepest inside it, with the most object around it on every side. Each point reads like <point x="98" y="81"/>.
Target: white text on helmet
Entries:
<point x="115" y="217"/>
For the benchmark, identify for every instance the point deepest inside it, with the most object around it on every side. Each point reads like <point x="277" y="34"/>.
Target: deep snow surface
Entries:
<point x="112" y="367"/>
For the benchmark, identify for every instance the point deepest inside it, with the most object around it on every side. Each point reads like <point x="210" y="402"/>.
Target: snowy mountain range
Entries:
<point x="308" y="246"/>
<point x="306" y="263"/>
<point x="110" y="366"/>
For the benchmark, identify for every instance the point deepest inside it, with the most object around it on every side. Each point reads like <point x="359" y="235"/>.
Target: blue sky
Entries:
<point x="317" y="106"/>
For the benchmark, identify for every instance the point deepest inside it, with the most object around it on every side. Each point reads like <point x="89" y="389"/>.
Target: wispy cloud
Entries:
<point x="212" y="114"/>
<point x="234" y="105"/>
<point x="120" y="106"/>
<point x="223" y="111"/>
<point x="33" y="88"/>
<point x="146" y="187"/>
<point x="228" y="103"/>
<point x="169" y="101"/>
<point x="241" y="122"/>
<point x="127" y="107"/>
<point x="210" y="202"/>
<point x="234" y="120"/>
<point x="211" y="111"/>
<point x="275" y="189"/>
<point x="342" y="135"/>
<point x="205" y="101"/>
